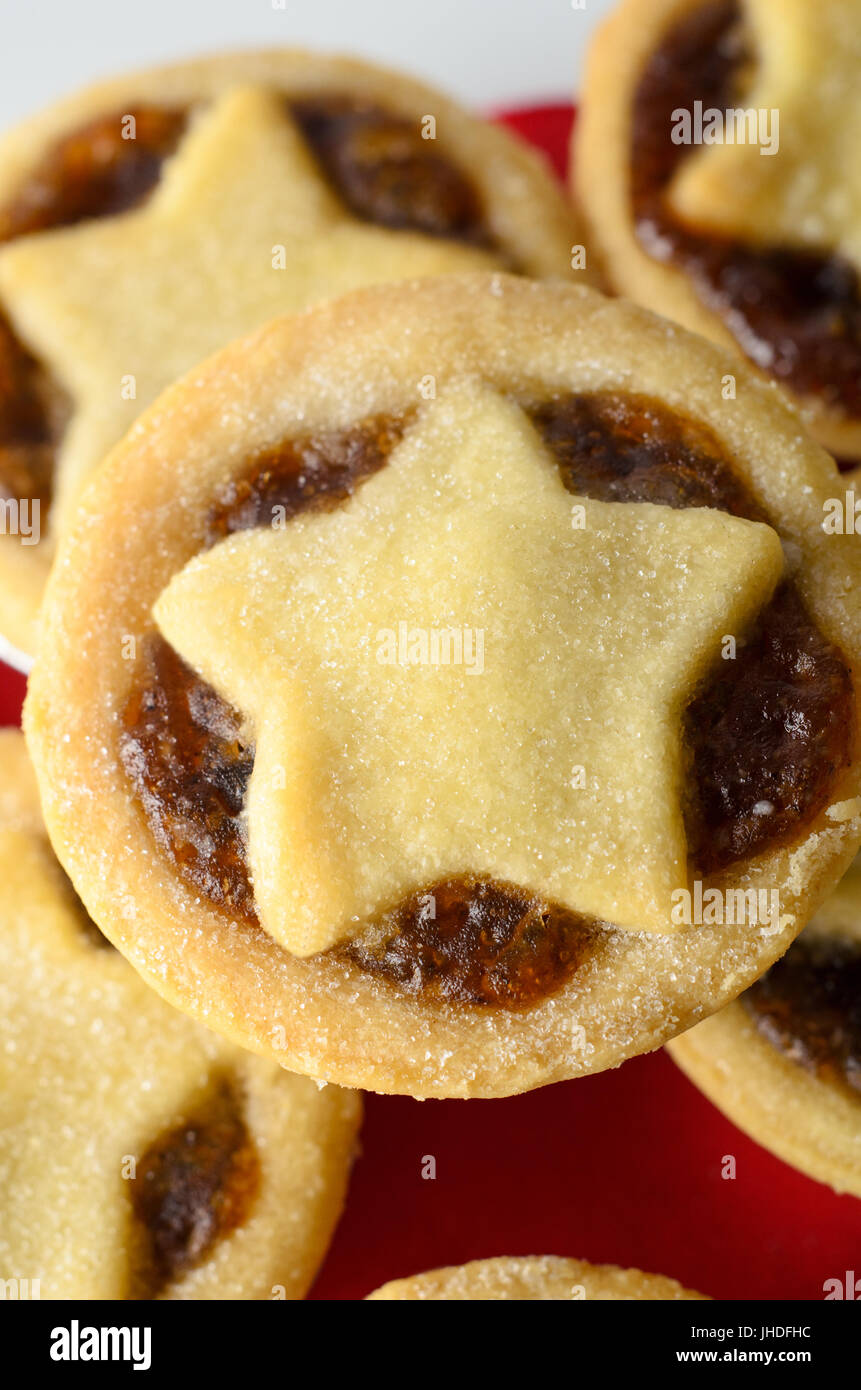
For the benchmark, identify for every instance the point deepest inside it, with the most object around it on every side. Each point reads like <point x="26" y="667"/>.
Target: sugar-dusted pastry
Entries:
<point x="540" y="1278"/>
<point x="151" y="219"/>
<point x="784" y="1061"/>
<point x="141" y="1156"/>
<point x="420" y="669"/>
<point x="717" y="164"/>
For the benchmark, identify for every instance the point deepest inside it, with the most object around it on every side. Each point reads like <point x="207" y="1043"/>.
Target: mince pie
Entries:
<point x="539" y="1278"/>
<point x="141" y="1156"/>
<point x="717" y="163"/>
<point x="148" y="221"/>
<point x="784" y="1061"/>
<point x="423" y="666"/>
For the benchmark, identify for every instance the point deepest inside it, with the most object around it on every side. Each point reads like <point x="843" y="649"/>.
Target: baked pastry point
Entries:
<point x="141" y="1156"/>
<point x="537" y="1278"/>
<point x="437" y="655"/>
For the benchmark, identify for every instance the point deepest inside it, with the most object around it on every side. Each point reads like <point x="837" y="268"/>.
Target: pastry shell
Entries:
<point x="144" y="519"/>
<point x="808" y="1121"/>
<point x="537" y="1278"/>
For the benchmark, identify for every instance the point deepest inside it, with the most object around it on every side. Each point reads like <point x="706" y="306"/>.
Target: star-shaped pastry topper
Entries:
<point x="458" y="670"/>
<point x="808" y="192"/>
<point x="242" y="228"/>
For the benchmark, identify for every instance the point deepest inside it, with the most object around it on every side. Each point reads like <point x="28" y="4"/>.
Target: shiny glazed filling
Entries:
<point x="765" y="737"/>
<point x="386" y="172"/>
<point x="376" y="161"/>
<point x="302" y="476"/>
<point x="475" y="941"/>
<point x="789" y="702"/>
<point x="32" y="418"/>
<point x="194" y="1185"/>
<point x="183" y="749"/>
<point x="628" y="448"/>
<point x="95" y="171"/>
<point x="796" y="313"/>
<point x="808" y="1006"/>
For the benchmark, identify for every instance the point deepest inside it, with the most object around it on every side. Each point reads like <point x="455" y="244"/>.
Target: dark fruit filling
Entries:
<point x="767" y="739"/>
<point x="32" y="418"/>
<point x="475" y="941"/>
<point x="96" y="171"/>
<point x="306" y="475"/>
<point x="387" y="173"/>
<point x="185" y="754"/>
<point x="195" y="1184"/>
<point x="808" y="1006"/>
<point x="626" y="448"/>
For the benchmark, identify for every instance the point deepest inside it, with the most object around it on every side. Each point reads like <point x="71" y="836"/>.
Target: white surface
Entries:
<point x="487" y="52"/>
<point x="13" y="657"/>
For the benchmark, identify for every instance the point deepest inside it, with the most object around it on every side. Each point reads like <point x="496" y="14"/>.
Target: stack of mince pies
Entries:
<point x="443" y="683"/>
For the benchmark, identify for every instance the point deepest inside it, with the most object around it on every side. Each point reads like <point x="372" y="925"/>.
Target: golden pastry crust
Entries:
<point x="94" y="306"/>
<point x="540" y="1278"/>
<point x="364" y="356"/>
<point x="601" y="171"/>
<point x="805" y="1119"/>
<point x="95" y="1068"/>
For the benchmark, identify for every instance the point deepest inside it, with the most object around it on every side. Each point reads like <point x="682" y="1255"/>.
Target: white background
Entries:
<point x="490" y="53"/>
